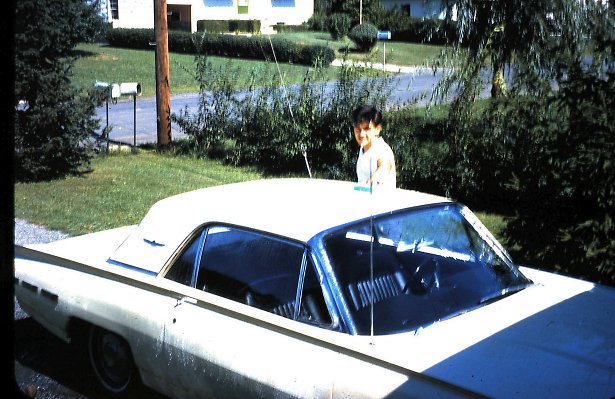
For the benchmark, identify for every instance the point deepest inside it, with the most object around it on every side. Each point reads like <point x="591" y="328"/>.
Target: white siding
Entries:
<point x="140" y="13"/>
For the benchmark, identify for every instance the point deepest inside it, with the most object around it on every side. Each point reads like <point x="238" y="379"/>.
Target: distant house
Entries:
<point x="184" y="14"/>
<point x="417" y="8"/>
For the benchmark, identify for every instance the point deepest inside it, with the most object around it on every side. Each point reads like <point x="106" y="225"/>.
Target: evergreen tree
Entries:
<point x="53" y="120"/>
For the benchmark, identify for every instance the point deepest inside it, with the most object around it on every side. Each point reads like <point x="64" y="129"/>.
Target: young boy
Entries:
<point x="376" y="163"/>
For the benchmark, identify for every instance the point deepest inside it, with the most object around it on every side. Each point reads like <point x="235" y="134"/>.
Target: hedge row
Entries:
<point x="231" y="25"/>
<point x="417" y="30"/>
<point x="254" y="47"/>
<point x="402" y="28"/>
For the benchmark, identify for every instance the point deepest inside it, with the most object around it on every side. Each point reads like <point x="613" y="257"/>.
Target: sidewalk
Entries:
<point x="383" y="67"/>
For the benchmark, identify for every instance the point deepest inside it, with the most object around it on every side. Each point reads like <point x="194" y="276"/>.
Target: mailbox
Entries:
<point x="112" y="90"/>
<point x="130" y="89"/>
<point x="384" y="35"/>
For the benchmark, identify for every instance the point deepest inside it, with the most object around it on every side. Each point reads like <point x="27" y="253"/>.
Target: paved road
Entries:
<point x="134" y="121"/>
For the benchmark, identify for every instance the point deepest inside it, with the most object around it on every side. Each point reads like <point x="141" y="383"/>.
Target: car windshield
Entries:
<point x="424" y="265"/>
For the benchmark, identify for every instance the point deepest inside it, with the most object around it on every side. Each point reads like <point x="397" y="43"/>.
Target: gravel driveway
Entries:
<point x="28" y="233"/>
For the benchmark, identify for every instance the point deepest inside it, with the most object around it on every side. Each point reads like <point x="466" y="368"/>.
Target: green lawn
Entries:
<point x="98" y="62"/>
<point x="397" y="53"/>
<point x="122" y="186"/>
<point x="118" y="191"/>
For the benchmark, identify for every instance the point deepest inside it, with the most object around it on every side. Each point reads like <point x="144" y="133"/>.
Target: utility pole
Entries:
<point x="360" y="12"/>
<point x="163" y="92"/>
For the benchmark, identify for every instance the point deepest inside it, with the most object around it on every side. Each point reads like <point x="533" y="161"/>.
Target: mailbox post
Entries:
<point x="384" y="35"/>
<point x="114" y="91"/>
<point x="110" y="90"/>
<point x="132" y="89"/>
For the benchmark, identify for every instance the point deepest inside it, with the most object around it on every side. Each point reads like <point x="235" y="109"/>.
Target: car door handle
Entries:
<point x="185" y="299"/>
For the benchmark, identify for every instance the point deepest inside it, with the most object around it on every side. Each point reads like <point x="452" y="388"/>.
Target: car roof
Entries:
<point x="297" y="208"/>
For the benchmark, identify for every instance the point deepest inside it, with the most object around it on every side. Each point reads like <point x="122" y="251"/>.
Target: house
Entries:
<point x="184" y="14"/>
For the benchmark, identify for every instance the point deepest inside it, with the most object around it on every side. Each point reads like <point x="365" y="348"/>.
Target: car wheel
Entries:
<point x="111" y="359"/>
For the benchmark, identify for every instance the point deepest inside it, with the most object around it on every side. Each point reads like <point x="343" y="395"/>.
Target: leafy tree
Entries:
<point x="371" y="10"/>
<point x="513" y="35"/>
<point x="338" y="25"/>
<point x="563" y="164"/>
<point x="545" y="147"/>
<point x="53" y="121"/>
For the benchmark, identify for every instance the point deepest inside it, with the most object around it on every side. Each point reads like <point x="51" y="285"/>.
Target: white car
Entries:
<point x="313" y="288"/>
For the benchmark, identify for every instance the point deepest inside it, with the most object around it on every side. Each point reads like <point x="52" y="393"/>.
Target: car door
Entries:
<point x="248" y="339"/>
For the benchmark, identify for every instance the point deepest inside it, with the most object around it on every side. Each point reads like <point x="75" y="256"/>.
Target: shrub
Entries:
<point x="420" y="30"/>
<point x="276" y="129"/>
<point x="212" y="26"/>
<point x="254" y="47"/>
<point x="283" y="28"/>
<point x="318" y="22"/>
<point x="548" y="161"/>
<point x="565" y="178"/>
<point x="364" y="36"/>
<point x="230" y="25"/>
<point x="338" y="25"/>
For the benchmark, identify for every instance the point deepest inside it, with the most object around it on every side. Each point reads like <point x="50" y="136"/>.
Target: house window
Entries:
<point x="218" y="3"/>
<point x="405" y="9"/>
<point x="282" y="3"/>
<point x="174" y="16"/>
<point x="115" y="14"/>
<point x="243" y="6"/>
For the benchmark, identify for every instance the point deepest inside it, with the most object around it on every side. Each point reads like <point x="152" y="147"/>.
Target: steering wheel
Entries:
<point x="425" y="278"/>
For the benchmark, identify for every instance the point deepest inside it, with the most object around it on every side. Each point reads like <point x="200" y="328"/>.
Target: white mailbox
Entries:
<point x="130" y="89"/>
<point x="112" y="90"/>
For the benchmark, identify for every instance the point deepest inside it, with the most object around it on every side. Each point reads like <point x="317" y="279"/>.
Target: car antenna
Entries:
<point x="371" y="257"/>
<point x="303" y="148"/>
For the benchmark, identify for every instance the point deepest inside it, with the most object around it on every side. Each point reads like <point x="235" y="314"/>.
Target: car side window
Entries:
<point x="251" y="268"/>
<point x="260" y="271"/>
<point x="182" y="269"/>
<point x="313" y="308"/>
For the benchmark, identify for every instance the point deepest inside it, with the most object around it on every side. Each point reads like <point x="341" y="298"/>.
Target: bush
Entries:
<point x="254" y="47"/>
<point x="338" y="25"/>
<point x="275" y="129"/>
<point x="549" y="161"/>
<point x="283" y="28"/>
<point x="228" y="25"/>
<point x="212" y="26"/>
<point x="318" y="22"/>
<point x="565" y="178"/>
<point x="418" y="30"/>
<point x="364" y="36"/>
<point x="419" y="141"/>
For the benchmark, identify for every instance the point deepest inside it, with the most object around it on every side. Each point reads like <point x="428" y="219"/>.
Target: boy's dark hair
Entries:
<point x="367" y="113"/>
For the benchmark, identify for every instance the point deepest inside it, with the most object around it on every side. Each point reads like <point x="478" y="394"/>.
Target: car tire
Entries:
<point x="111" y="359"/>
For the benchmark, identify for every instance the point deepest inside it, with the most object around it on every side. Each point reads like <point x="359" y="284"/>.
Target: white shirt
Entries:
<point x="367" y="162"/>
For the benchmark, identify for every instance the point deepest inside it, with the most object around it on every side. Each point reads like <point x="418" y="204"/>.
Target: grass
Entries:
<point x="99" y="62"/>
<point x="118" y="191"/>
<point x="122" y="186"/>
<point x="397" y="53"/>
